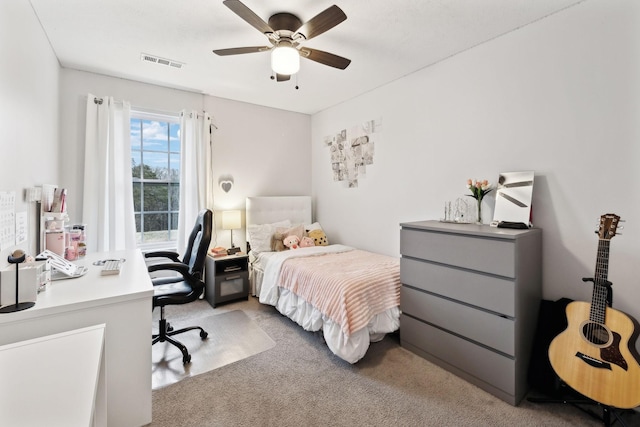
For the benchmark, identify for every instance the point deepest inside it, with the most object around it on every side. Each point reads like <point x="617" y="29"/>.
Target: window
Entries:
<point x="155" y="171"/>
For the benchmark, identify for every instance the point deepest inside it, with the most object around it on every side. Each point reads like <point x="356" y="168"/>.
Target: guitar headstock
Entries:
<point x="608" y="226"/>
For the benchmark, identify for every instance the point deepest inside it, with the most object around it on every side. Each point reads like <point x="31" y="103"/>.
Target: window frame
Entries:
<point x="168" y="119"/>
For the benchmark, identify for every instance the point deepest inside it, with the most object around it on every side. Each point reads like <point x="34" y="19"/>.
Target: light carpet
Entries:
<point x="299" y="382"/>
<point x="233" y="336"/>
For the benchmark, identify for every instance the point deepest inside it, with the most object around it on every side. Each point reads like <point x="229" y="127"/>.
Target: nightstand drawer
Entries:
<point x="231" y="285"/>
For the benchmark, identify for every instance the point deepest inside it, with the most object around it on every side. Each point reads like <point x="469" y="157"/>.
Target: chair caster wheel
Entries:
<point x="204" y="334"/>
<point x="186" y="359"/>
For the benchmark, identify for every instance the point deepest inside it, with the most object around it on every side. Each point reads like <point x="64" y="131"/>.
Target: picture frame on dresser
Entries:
<point x="514" y="194"/>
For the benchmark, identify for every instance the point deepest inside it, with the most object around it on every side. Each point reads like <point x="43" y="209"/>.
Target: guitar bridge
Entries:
<point x="593" y="361"/>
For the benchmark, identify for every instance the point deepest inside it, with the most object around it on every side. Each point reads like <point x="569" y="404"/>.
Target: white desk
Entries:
<point x="123" y="303"/>
<point x="65" y="389"/>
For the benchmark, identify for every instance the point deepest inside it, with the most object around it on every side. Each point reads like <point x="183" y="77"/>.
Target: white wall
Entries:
<point x="266" y="151"/>
<point x="28" y="109"/>
<point x="560" y="96"/>
<point x="259" y="147"/>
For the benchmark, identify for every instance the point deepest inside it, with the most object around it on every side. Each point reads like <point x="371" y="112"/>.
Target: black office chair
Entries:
<point x="186" y="287"/>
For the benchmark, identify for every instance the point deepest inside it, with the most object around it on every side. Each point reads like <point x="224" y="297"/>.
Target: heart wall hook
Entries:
<point x="226" y="183"/>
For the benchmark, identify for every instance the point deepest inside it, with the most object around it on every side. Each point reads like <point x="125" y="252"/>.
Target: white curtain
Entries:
<point x="107" y="207"/>
<point x="196" y="173"/>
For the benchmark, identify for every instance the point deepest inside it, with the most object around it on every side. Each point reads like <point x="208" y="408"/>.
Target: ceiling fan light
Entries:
<point x="285" y="60"/>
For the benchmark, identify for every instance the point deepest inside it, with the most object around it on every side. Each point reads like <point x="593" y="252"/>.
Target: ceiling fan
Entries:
<point x="286" y="33"/>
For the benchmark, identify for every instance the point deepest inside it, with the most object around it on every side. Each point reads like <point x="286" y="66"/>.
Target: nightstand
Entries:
<point x="226" y="278"/>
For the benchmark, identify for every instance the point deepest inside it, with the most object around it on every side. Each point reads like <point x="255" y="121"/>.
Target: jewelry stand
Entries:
<point x="16" y="258"/>
<point x="576" y="399"/>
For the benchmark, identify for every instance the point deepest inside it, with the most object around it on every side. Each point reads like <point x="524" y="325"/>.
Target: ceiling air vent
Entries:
<point x="162" y="61"/>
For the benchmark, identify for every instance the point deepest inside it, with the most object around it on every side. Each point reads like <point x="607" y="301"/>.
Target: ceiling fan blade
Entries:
<point x="241" y="50"/>
<point x="248" y="15"/>
<point x="325" y="58"/>
<point x="282" y="77"/>
<point x="322" y="22"/>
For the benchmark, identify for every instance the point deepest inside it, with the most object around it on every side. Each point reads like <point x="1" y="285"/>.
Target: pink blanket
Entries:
<point x="348" y="287"/>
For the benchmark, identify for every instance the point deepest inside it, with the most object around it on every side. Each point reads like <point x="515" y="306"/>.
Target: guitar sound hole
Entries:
<point x="596" y="333"/>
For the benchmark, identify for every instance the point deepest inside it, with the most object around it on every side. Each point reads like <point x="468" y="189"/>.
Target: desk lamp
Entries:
<point x="16" y="258"/>
<point x="231" y="220"/>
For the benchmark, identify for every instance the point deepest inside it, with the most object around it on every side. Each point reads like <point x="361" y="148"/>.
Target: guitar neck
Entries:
<point x="601" y="284"/>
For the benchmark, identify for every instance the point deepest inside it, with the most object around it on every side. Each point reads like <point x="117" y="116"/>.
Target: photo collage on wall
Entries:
<point x="352" y="150"/>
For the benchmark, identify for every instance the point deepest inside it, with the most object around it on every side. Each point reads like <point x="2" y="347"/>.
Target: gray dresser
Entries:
<point x="470" y="298"/>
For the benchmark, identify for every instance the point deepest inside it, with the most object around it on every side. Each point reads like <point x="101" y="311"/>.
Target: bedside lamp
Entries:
<point x="232" y="220"/>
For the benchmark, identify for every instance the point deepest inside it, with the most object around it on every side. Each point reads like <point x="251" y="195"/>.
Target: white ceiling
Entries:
<point x="385" y="40"/>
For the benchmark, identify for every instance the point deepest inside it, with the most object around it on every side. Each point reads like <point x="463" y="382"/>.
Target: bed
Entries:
<point x="352" y="296"/>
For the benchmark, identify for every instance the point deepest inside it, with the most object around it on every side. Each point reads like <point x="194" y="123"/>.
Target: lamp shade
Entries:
<point x="285" y="59"/>
<point x="231" y="220"/>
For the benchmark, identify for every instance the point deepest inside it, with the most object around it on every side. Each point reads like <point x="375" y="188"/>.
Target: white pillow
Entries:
<point x="314" y="226"/>
<point x="259" y="236"/>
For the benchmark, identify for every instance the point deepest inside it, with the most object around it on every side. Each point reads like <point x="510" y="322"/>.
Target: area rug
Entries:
<point x="233" y="336"/>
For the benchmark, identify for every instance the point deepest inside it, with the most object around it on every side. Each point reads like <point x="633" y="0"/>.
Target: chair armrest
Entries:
<point x="173" y="266"/>
<point x="173" y="256"/>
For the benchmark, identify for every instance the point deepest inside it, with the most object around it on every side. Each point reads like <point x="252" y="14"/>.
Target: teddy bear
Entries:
<point x="292" y="242"/>
<point x="276" y="242"/>
<point x="307" y="242"/>
<point x="319" y="238"/>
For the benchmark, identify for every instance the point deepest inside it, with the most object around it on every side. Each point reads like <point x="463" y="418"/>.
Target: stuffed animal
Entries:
<point x="291" y="242"/>
<point x="307" y="242"/>
<point x="319" y="238"/>
<point x="276" y="242"/>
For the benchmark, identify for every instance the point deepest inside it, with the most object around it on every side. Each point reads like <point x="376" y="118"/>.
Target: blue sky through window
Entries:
<point x="160" y="142"/>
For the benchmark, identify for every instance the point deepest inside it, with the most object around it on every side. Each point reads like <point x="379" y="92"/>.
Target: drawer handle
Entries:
<point x="232" y="278"/>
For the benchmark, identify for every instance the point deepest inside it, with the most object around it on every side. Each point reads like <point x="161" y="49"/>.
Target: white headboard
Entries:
<point x="267" y="210"/>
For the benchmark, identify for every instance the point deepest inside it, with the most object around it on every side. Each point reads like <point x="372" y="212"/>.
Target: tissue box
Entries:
<point x="29" y="280"/>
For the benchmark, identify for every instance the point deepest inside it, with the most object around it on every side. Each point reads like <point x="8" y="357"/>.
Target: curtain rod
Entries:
<point x="210" y="118"/>
<point x="99" y="101"/>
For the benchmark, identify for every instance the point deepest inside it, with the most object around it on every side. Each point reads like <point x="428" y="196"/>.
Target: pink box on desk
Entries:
<point x="55" y="241"/>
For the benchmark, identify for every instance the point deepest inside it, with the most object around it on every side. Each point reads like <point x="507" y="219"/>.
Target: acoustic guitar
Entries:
<point x="592" y="355"/>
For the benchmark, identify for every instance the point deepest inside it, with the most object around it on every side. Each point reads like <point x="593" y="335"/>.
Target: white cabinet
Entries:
<point x="470" y="297"/>
<point x="123" y="303"/>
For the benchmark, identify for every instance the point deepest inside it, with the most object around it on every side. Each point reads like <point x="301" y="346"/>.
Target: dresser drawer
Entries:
<point x="490" y="255"/>
<point x="486" y="328"/>
<point x="490" y="292"/>
<point x="486" y="365"/>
